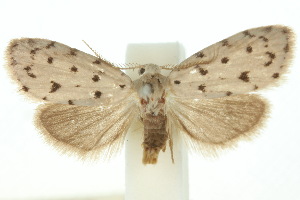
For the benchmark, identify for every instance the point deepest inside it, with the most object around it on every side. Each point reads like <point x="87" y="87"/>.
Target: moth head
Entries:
<point x="149" y="69"/>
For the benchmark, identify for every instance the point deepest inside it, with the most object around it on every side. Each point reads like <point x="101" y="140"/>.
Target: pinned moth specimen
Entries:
<point x="90" y="103"/>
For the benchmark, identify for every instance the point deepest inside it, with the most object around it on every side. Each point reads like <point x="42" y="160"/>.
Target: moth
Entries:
<point x="207" y="99"/>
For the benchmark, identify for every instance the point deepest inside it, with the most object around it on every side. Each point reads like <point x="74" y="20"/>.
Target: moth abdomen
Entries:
<point x="155" y="137"/>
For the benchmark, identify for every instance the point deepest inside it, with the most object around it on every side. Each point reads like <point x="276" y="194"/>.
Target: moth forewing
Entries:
<point x="247" y="61"/>
<point x="53" y="72"/>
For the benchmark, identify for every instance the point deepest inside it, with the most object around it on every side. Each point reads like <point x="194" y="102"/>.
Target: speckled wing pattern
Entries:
<point x="245" y="62"/>
<point x="53" y="72"/>
<point x="90" y="104"/>
<point x="207" y="97"/>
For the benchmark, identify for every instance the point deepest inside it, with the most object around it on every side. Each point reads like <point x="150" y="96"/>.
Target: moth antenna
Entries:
<point x="94" y="51"/>
<point x="128" y="65"/>
<point x="98" y="55"/>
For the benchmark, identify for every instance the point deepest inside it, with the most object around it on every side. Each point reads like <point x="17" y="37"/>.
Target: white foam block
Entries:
<point x="165" y="180"/>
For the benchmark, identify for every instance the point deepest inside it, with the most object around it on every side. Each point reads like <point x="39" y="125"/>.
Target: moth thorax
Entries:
<point x="146" y="90"/>
<point x="151" y="90"/>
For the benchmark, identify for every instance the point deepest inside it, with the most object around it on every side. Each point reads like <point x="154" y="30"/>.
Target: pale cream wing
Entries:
<point x="86" y="129"/>
<point x="218" y="122"/>
<point x="247" y="61"/>
<point x="53" y="72"/>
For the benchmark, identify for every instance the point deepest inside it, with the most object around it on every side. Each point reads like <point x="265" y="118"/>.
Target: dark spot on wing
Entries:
<point x="28" y="69"/>
<point x="201" y="87"/>
<point x="225" y="43"/>
<point x="268" y="63"/>
<point x="224" y="60"/>
<point x="202" y="71"/>
<point x="55" y="86"/>
<point x="275" y="75"/>
<point x="247" y="33"/>
<point x="228" y="93"/>
<point x="244" y="76"/>
<point x="98" y="61"/>
<point x="73" y="52"/>
<point x="51" y="44"/>
<point x="77" y="85"/>
<point x="96" y="78"/>
<point x="33" y="51"/>
<point x="200" y="54"/>
<point x="31" y="75"/>
<point x="97" y="94"/>
<point x="255" y="87"/>
<point x="25" y="89"/>
<point x="249" y="49"/>
<point x="177" y="82"/>
<point x="74" y="69"/>
<point x="70" y="102"/>
<point x="268" y="29"/>
<point x="271" y="55"/>
<point x="122" y="86"/>
<point x="263" y="38"/>
<point x="31" y="42"/>
<point x="13" y="61"/>
<point x="44" y="98"/>
<point x="286" y="48"/>
<point x="141" y="71"/>
<point x="285" y="30"/>
<point x="50" y="60"/>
